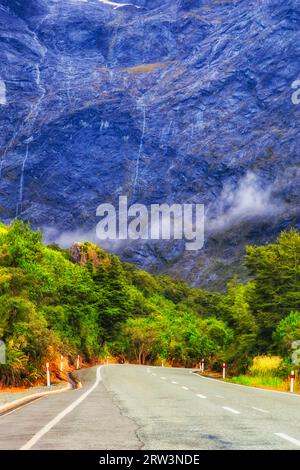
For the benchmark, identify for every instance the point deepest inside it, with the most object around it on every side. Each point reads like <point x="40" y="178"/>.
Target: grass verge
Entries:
<point x="273" y="383"/>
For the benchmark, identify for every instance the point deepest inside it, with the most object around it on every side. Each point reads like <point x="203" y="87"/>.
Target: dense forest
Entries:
<point x="86" y="301"/>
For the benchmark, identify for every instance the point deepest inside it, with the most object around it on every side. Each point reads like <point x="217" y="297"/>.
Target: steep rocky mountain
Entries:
<point x="160" y="100"/>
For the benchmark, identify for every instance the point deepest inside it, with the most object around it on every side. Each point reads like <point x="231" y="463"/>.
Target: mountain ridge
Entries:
<point x="174" y="102"/>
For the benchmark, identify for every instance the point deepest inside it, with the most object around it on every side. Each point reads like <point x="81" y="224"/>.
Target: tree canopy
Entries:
<point x="86" y="301"/>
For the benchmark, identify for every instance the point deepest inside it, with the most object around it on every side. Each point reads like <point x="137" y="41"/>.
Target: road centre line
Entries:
<point x="231" y="410"/>
<point x="259" y="409"/>
<point x="200" y="396"/>
<point x="288" y="438"/>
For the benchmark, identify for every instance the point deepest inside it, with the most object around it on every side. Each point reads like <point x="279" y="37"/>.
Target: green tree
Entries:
<point x="276" y="270"/>
<point x="242" y="322"/>
<point x="287" y="331"/>
<point x="143" y="335"/>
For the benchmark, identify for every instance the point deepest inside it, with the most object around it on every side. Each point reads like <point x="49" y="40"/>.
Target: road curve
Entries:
<point x="151" y="408"/>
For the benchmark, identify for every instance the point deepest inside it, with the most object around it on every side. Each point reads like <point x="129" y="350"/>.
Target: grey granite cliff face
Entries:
<point x="162" y="101"/>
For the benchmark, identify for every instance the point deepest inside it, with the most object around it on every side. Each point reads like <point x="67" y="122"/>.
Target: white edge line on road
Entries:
<point x="174" y="382"/>
<point x="200" y="396"/>
<point x="231" y="410"/>
<point x="279" y="392"/>
<point x="163" y="378"/>
<point x="62" y="414"/>
<point x="184" y="387"/>
<point x="260" y="409"/>
<point x="288" y="438"/>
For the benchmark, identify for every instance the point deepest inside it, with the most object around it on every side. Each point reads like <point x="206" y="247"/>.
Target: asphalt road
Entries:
<point x="151" y="408"/>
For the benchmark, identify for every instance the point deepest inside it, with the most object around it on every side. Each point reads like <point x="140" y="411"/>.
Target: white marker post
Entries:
<point x="292" y="381"/>
<point x="48" y="375"/>
<point x="61" y="363"/>
<point x="202" y="365"/>
<point x="78" y="362"/>
<point x="224" y="370"/>
<point x="162" y="363"/>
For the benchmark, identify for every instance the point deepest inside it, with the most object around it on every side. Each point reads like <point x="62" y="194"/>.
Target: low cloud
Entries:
<point x="65" y="239"/>
<point x="250" y="199"/>
<point x="68" y="238"/>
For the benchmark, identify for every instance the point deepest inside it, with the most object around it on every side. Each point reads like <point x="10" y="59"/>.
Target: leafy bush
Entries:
<point x="287" y="331"/>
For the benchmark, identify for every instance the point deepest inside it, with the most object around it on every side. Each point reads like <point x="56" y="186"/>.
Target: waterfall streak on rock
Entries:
<point x="137" y="166"/>
<point x="20" y="204"/>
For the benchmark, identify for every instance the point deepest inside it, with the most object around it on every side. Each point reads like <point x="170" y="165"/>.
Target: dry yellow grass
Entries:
<point x="265" y="366"/>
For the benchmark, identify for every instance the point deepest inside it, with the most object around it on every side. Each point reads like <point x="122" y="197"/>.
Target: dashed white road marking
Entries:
<point x="260" y="409"/>
<point x="163" y="378"/>
<point x="200" y="396"/>
<point x="184" y="387"/>
<point x="288" y="438"/>
<point x="231" y="410"/>
<point x="173" y="382"/>
<point x="62" y="414"/>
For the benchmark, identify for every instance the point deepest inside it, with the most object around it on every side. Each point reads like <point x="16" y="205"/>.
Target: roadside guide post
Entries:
<point x="48" y="375"/>
<point x="202" y="365"/>
<point x="224" y="370"/>
<point x="61" y="363"/>
<point x="292" y="381"/>
<point x="78" y="362"/>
